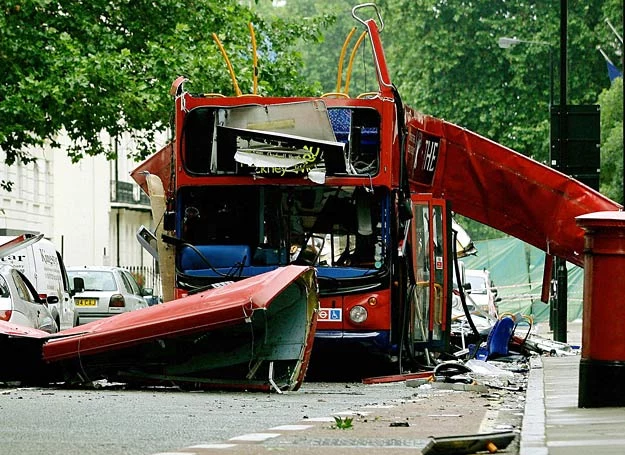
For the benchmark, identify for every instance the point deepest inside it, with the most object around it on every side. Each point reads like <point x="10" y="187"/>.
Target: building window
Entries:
<point x="36" y="185"/>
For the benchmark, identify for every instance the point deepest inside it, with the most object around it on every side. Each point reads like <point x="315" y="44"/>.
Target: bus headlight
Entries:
<point x="358" y="314"/>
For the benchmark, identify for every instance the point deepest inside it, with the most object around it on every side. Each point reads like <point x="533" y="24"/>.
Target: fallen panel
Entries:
<point x="253" y="334"/>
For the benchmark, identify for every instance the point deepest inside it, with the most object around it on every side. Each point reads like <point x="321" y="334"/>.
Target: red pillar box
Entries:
<point x="602" y="366"/>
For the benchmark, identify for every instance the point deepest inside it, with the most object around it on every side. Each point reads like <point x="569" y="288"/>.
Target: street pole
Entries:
<point x="559" y="281"/>
<point x="561" y="303"/>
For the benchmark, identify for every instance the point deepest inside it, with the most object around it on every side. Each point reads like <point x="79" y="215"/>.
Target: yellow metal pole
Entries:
<point x="232" y="76"/>
<point x="343" y="51"/>
<point x="351" y="60"/>
<point x="255" y="59"/>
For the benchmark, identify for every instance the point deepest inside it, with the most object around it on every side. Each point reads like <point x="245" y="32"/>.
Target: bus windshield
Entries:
<point x="245" y="230"/>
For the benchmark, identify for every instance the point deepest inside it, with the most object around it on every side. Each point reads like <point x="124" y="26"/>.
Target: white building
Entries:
<point x="90" y="210"/>
<point x="29" y="206"/>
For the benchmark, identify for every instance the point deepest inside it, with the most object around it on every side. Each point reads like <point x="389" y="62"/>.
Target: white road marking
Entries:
<point x="292" y="427"/>
<point x="490" y="417"/>
<point x="256" y="437"/>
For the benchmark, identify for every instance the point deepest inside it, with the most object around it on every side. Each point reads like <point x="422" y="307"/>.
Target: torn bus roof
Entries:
<point x="501" y="188"/>
<point x="252" y="334"/>
<point x="158" y="164"/>
<point x="255" y="334"/>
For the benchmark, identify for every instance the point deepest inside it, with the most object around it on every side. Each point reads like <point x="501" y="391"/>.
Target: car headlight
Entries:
<point x="358" y="314"/>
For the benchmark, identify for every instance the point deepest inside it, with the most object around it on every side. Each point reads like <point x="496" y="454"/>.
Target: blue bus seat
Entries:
<point x="232" y="272"/>
<point x="218" y="256"/>
<point x="343" y="272"/>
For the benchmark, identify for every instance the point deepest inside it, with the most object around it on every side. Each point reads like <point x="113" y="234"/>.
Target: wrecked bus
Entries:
<point x="253" y="183"/>
<point x="361" y="187"/>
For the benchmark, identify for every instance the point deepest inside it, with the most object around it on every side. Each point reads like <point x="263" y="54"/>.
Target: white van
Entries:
<point x="43" y="266"/>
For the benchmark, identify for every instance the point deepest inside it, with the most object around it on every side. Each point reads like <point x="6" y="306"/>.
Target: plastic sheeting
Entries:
<point x="516" y="268"/>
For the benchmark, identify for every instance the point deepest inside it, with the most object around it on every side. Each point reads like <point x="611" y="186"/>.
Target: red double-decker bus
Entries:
<point x="359" y="186"/>
<point x="253" y="183"/>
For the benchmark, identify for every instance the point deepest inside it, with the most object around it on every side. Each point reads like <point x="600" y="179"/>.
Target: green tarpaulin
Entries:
<point x="517" y="271"/>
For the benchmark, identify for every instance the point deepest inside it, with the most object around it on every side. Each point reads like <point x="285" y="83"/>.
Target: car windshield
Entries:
<point x="478" y="284"/>
<point x="96" y="280"/>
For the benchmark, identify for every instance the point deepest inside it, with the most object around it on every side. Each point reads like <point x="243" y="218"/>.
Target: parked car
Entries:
<point x="483" y="291"/>
<point x="20" y="303"/>
<point x="103" y="291"/>
<point x="38" y="259"/>
<point x="150" y="298"/>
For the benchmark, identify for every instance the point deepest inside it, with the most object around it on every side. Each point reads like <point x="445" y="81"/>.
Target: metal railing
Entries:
<point x="146" y="277"/>
<point x="128" y="193"/>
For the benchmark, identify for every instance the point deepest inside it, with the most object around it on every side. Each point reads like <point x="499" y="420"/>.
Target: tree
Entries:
<point x="445" y="58"/>
<point x="84" y="67"/>
<point x="321" y="58"/>
<point x="452" y="67"/>
<point x="611" y="101"/>
<point x="611" y="176"/>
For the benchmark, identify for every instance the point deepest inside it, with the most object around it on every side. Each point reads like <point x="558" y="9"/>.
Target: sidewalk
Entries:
<point x="552" y="422"/>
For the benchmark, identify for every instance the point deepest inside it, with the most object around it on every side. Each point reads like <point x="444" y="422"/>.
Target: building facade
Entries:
<point x="90" y="210"/>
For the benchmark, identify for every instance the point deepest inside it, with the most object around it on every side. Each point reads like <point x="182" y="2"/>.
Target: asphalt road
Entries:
<point x="111" y="420"/>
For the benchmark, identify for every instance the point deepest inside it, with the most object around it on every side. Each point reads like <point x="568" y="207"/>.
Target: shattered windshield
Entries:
<point x="278" y="225"/>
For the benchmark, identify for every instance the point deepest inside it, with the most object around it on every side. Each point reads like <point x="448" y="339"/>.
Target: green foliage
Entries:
<point x="611" y="102"/>
<point x="321" y="57"/>
<point x="343" y="423"/>
<point x="87" y="67"/>
<point x="106" y="65"/>
<point x="447" y="62"/>
<point x="478" y="231"/>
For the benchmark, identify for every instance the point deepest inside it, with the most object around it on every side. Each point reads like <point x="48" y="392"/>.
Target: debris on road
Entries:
<point x="458" y="445"/>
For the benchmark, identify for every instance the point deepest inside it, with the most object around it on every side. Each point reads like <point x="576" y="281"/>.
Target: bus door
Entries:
<point x="429" y="299"/>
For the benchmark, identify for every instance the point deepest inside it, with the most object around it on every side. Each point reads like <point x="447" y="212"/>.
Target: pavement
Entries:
<point x="554" y="424"/>
<point x="542" y="414"/>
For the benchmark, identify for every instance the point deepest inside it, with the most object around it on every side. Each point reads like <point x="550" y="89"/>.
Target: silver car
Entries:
<point x="20" y="303"/>
<point x="102" y="291"/>
<point x="483" y="291"/>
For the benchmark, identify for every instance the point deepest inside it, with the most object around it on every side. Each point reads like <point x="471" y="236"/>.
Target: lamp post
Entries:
<point x="557" y="321"/>
<point x="507" y="43"/>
